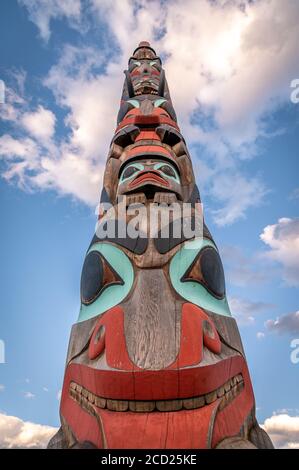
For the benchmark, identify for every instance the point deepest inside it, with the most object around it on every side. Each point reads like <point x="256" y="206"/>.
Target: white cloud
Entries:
<point x="245" y="311"/>
<point x="283" y="240"/>
<point x="24" y="148"/>
<point x="260" y="335"/>
<point x="241" y="269"/>
<point x="45" y="389"/>
<point x="15" y="433"/>
<point x="41" y="12"/>
<point x="285" y="324"/>
<point x="283" y="430"/>
<point x="29" y="395"/>
<point x="236" y="194"/>
<point x="58" y="396"/>
<point x="40" y="123"/>
<point x="226" y="63"/>
<point x="2" y="388"/>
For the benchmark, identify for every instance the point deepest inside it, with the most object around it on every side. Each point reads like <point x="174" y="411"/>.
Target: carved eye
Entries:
<point x="207" y="269"/>
<point x="128" y="172"/>
<point x="133" y="64"/>
<point x="156" y="64"/>
<point x="97" y="274"/>
<point x="168" y="170"/>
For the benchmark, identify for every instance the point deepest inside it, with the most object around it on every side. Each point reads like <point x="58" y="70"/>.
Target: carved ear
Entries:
<point x="126" y="136"/>
<point x="168" y="135"/>
<point x="129" y="84"/>
<point x="161" y="84"/>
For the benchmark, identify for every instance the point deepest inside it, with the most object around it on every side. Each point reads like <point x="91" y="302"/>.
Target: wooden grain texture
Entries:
<point x="235" y="443"/>
<point x="228" y="330"/>
<point x="152" y="322"/>
<point x="110" y="180"/>
<point x="79" y="339"/>
<point x="260" y="438"/>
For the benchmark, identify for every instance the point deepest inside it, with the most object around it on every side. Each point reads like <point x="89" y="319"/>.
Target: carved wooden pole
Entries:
<point x="155" y="359"/>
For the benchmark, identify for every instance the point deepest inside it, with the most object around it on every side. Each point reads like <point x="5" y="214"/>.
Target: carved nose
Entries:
<point x="97" y="342"/>
<point x="152" y="322"/>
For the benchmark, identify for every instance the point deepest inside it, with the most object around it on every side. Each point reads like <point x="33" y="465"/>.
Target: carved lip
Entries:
<point x="225" y="394"/>
<point x="95" y="403"/>
<point x="149" y="385"/>
<point x="148" y="177"/>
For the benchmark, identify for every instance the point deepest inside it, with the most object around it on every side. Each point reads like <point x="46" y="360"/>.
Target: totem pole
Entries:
<point x="155" y="359"/>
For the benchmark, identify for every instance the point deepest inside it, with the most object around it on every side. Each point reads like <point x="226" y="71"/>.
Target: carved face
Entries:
<point x="155" y="359"/>
<point x="155" y="344"/>
<point x="149" y="176"/>
<point x="155" y="340"/>
<point x="145" y="75"/>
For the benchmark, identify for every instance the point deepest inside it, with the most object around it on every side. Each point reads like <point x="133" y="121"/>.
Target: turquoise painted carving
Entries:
<point x="115" y="293"/>
<point x="191" y="290"/>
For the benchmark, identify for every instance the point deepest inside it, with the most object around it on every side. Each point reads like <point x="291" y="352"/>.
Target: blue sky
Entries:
<point x="229" y="67"/>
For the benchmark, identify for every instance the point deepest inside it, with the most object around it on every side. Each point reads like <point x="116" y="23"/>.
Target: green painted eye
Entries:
<point x="133" y="64"/>
<point x="107" y="278"/>
<point x="159" y="102"/>
<point x="168" y="170"/>
<point x="197" y="275"/>
<point x="129" y="171"/>
<point x="134" y="103"/>
<point x="156" y="64"/>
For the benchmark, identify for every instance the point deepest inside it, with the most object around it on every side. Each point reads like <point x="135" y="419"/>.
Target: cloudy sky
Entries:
<point x="230" y="65"/>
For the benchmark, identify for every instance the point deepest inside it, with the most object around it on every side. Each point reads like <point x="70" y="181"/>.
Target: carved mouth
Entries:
<point x="226" y="394"/>
<point x="145" y="88"/>
<point x="148" y="177"/>
<point x="146" y="91"/>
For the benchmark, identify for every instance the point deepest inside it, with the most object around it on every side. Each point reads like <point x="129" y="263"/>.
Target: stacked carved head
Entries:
<point x="155" y="359"/>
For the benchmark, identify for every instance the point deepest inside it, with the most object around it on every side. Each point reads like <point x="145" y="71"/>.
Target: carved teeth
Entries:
<point x="100" y="402"/>
<point x="169" y="405"/>
<point x="227" y="386"/>
<point x="231" y="394"/>
<point x="166" y="198"/>
<point x="234" y="381"/>
<point x="210" y="397"/>
<point x="225" y="394"/>
<point x="192" y="403"/>
<point x="91" y="397"/>
<point x="142" y="406"/>
<point x="117" y="405"/>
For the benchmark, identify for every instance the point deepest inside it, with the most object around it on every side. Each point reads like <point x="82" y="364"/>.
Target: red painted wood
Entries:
<point x="116" y="350"/>
<point x="229" y="421"/>
<point x="147" y="149"/>
<point x="147" y="135"/>
<point x="159" y="385"/>
<point x="158" y="116"/>
<point x="149" y="176"/>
